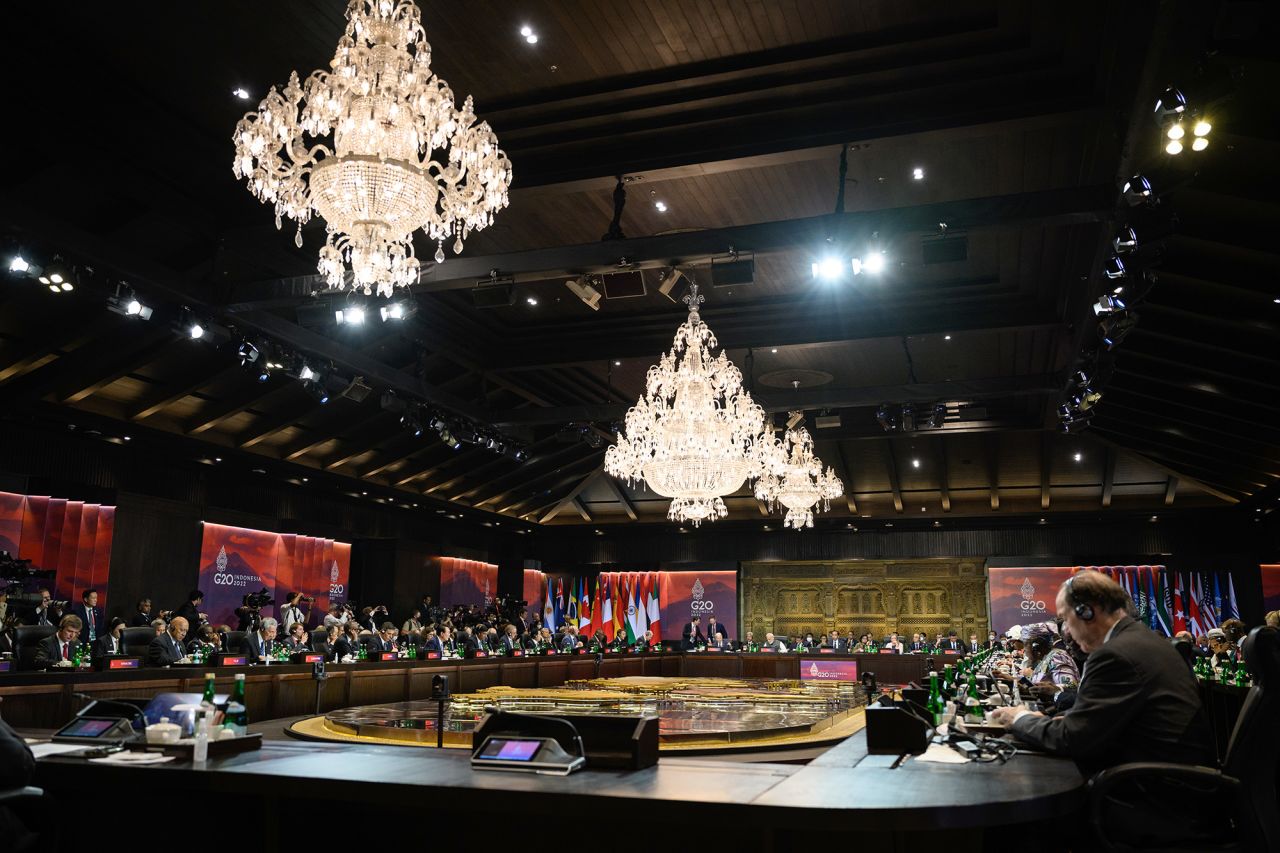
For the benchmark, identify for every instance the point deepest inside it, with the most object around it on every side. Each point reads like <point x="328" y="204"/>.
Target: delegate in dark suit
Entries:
<point x="163" y="650"/>
<point x="692" y="637"/>
<point x="1137" y="701"/>
<point x="257" y="649"/>
<point x="346" y="646"/>
<point x="91" y="618"/>
<point x="49" y="651"/>
<point x="108" y="645"/>
<point x="433" y="644"/>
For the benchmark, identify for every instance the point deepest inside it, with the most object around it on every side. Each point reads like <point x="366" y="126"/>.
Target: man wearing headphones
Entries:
<point x="1137" y="700"/>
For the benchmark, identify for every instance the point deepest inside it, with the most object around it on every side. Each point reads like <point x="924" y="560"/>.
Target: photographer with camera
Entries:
<point x="293" y="611"/>
<point x="190" y="610"/>
<point x="48" y="611"/>
<point x="372" y="617"/>
<point x="250" y="612"/>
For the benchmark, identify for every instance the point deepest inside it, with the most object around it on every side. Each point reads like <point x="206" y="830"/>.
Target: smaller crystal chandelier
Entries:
<point x="796" y="478"/>
<point x="694" y="435"/>
<point x="377" y="147"/>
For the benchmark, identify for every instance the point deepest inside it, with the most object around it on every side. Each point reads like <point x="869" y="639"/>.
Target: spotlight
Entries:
<point x="583" y="290"/>
<point x="917" y="173"/>
<point x="1171" y="104"/>
<point x="1109" y="304"/>
<point x="661" y="206"/>
<point x="18" y="264"/>
<point x="530" y="300"/>
<point x="1114" y="268"/>
<point x="1137" y="190"/>
<point x="915" y="463"/>
<point x="1176" y="131"/>
<point x="1200" y="143"/>
<point x="134" y="308"/>
<point x="1174" y="147"/>
<point x="396" y="311"/>
<point x="264" y="373"/>
<point x="247" y="352"/>
<point x="315" y="389"/>
<point x="352" y="315"/>
<point x="874" y="263"/>
<point x="195" y="330"/>
<point x="124" y="302"/>
<point x="1202" y="128"/>
<point x="241" y="93"/>
<point x="828" y="268"/>
<point x="1078" y="457"/>
<point x="306" y="373"/>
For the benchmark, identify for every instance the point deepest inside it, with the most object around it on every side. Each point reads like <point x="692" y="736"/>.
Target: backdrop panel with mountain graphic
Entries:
<point x="73" y="538"/>
<point x="466" y="581"/>
<point x="236" y="561"/>
<point x="1270" y="587"/>
<point x="703" y="594"/>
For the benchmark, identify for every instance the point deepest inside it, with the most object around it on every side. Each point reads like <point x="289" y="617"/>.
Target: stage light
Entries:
<point x="661" y="206"/>
<point x="1176" y="131"/>
<point x="1077" y="456"/>
<point x="241" y="93"/>
<point x="352" y="315"/>
<point x="531" y="300"/>
<point x="134" y="308"/>
<point x="915" y="463"/>
<point x="917" y="173"/>
<point x="1137" y="190"/>
<point x="264" y="373"/>
<point x="316" y="389"/>
<point x="195" y="330"/>
<point x="18" y="264"/>
<point x="1171" y="104"/>
<point x="1114" y="268"/>
<point x="306" y="373"/>
<point x="247" y="352"/>
<point x="402" y="310"/>
<point x="1174" y="147"/>
<point x="1202" y="128"/>
<point x="1126" y="240"/>
<point x="1200" y="143"/>
<point x="1107" y="304"/>
<point x="827" y="268"/>
<point x="874" y="263"/>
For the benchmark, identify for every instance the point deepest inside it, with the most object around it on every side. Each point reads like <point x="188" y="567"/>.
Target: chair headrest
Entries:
<point x="29" y="634"/>
<point x="1262" y="654"/>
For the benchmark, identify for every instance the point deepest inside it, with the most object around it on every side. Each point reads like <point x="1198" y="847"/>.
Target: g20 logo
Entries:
<point x="337" y="589"/>
<point x="699" y="604"/>
<point x="1029" y="603"/>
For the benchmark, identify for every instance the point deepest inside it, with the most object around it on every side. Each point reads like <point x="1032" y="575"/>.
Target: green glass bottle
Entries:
<point x="237" y="717"/>
<point x="973" y="702"/>
<point x="209" y="691"/>
<point x="935" y="705"/>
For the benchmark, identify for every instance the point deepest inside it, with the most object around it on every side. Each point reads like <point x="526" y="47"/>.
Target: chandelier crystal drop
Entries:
<point x="390" y="153"/>
<point x="795" y="478"/>
<point x="694" y="435"/>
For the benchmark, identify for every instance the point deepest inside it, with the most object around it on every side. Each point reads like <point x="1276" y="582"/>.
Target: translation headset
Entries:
<point x="1082" y="609"/>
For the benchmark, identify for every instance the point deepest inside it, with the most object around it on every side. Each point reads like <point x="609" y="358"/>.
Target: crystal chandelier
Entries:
<point x="794" y="477"/>
<point x="693" y="435"/>
<point x="385" y="114"/>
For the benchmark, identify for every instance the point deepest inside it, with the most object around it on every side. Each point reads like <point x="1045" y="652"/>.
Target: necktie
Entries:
<point x="92" y="625"/>
<point x="65" y="655"/>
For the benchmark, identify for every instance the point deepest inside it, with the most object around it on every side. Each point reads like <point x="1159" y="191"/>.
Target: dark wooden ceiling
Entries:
<point x="733" y="114"/>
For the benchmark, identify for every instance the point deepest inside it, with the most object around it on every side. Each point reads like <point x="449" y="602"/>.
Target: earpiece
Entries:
<point x="1083" y="610"/>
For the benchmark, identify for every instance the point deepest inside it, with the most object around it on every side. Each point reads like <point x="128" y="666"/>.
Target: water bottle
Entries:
<point x="201" y="752"/>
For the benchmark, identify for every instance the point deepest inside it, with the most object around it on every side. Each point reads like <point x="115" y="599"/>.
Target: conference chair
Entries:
<point x="25" y="640"/>
<point x="235" y="641"/>
<point x="1179" y="807"/>
<point x="1188" y="652"/>
<point x="136" y="640"/>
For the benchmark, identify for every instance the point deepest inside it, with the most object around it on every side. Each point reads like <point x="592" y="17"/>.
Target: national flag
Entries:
<point x="1140" y="598"/>
<point x="629" y="610"/>
<point x="1179" y="612"/>
<point x="586" y="614"/>
<point x="571" y="609"/>
<point x="1194" y="623"/>
<point x="1230" y="609"/>
<point x="1203" y="596"/>
<point x="1153" y="609"/>
<point x="619" y="604"/>
<point x="641" y="599"/>
<point x="559" y="603"/>
<point x="548" y="607"/>
<point x="604" y="586"/>
<point x="1217" y="600"/>
<point x="1163" y="609"/>
<point x="655" y="606"/>
<point x="1122" y="578"/>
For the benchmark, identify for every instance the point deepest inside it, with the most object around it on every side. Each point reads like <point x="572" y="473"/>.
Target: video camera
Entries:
<point x="259" y="599"/>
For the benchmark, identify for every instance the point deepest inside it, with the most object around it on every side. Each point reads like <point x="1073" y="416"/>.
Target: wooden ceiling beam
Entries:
<point x="1108" y="476"/>
<point x="1205" y="482"/>
<point x="815" y="398"/>
<point x="1170" y="489"/>
<point x="135" y="354"/>
<point x="567" y="475"/>
<point x="187" y="385"/>
<point x="249" y="396"/>
<point x="847" y="473"/>
<point x="572" y="496"/>
<point x="620" y="495"/>
<point x="894" y="484"/>
<point x="944" y="478"/>
<point x="547" y="465"/>
<point x="335" y="426"/>
<point x="993" y="471"/>
<point x="1046" y="469"/>
<point x="582" y="509"/>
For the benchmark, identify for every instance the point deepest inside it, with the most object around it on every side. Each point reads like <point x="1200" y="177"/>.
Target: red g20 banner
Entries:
<point x="702" y="594"/>
<point x="1270" y="588"/>
<point x="466" y="581"/>
<point x="828" y="669"/>
<point x="236" y="561"/>
<point x="1021" y="596"/>
<point x="71" y="537"/>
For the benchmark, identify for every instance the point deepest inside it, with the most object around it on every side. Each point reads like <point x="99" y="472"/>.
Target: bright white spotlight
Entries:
<point x="532" y="38"/>
<point x="829" y="268"/>
<point x="1200" y="143"/>
<point x="873" y="263"/>
<point x="241" y="93"/>
<point x="19" y="264"/>
<point x="66" y="285"/>
<point x="56" y="278"/>
<point x="306" y="373"/>
<point x="134" y="308"/>
<point x="1174" y="147"/>
<point x="526" y="31"/>
<point x="196" y="331"/>
<point x="1202" y="128"/>
<point x="1176" y="131"/>
<point x="917" y="173"/>
<point x="352" y="315"/>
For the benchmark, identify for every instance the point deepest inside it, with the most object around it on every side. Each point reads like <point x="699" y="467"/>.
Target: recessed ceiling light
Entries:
<point x="128" y="438"/>
<point x="364" y="493"/>
<point x="529" y="35"/>
<point x="915" y="463"/>
<point x="305" y="480"/>
<point x="217" y="459"/>
<point x="918" y="173"/>
<point x="946" y="337"/>
<point x="1042" y="521"/>
<point x="617" y="363"/>
<point x="1078" y="456"/>
<point x="241" y="93"/>
<point x="1155" y="518"/>
<point x="531" y="300"/>
<point x="661" y="206"/>
<point x="774" y="349"/>
<point x="1276" y="300"/>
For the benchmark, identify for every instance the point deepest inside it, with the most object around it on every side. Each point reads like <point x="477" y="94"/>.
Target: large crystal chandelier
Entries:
<point x="693" y="435"/>
<point x="795" y="478"/>
<point x="403" y="156"/>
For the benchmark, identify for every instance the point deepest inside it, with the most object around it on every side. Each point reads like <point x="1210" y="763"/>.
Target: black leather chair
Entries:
<point x="1179" y="807"/>
<point x="136" y="640"/>
<point x="34" y="809"/>
<point x="235" y="641"/>
<point x="25" y="640"/>
<point x="1188" y="652"/>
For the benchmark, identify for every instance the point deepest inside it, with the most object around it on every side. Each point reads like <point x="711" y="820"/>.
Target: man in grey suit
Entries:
<point x="1137" y="700"/>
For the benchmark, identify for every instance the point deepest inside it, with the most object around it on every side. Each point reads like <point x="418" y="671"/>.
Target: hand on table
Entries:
<point x="1004" y="716"/>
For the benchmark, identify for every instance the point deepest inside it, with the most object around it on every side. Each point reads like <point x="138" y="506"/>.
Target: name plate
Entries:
<point x="384" y="656"/>
<point x="951" y="651"/>
<point x="228" y="659"/>
<point x="581" y="650"/>
<point x="888" y="651"/>
<point x="714" y="649"/>
<point x="477" y="653"/>
<point x="549" y="652"/>
<point x="114" y="662"/>
<point x="517" y="653"/>
<point x="431" y="656"/>
<point x="306" y="657"/>
<point x="6" y="666"/>
<point x="768" y="651"/>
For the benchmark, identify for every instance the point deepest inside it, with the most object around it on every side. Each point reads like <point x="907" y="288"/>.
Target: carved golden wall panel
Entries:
<point x="865" y="596"/>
